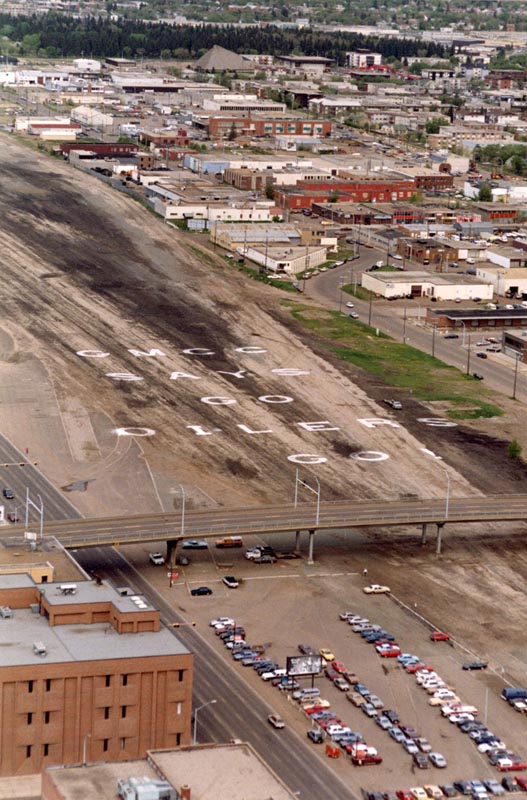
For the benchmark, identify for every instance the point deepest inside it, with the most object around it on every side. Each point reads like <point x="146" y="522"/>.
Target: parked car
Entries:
<point x="448" y="790"/>
<point x="14" y="517"/>
<point x="383" y="722"/>
<point x="395" y="404"/>
<point x="392" y="715"/>
<point x="437" y="760"/>
<point x="326" y="654"/>
<point x="421" y="760"/>
<point x="357" y="699"/>
<point x="201" y="590"/>
<point x="316" y="736"/>
<point x="221" y="621"/>
<point x="8" y="493"/>
<point x="342" y="684"/>
<point x="306" y="649"/>
<point x="265" y="558"/>
<point x="157" y="558"/>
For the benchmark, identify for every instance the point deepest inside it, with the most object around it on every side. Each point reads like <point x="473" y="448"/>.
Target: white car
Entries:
<point x="398" y="258"/>
<point x="437" y="760"/>
<point x="375" y="588"/>
<point x="221" y="621"/>
<point x="157" y="558"/>
<point x="419" y="793"/>
<point x="486" y="746"/>
<point x="350" y="305"/>
<point x="230" y="581"/>
<point x="458" y="719"/>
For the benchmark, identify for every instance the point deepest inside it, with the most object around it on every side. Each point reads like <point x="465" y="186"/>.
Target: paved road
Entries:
<point x="389" y="317"/>
<point x="279" y="518"/>
<point x="239" y="713"/>
<point x="19" y="478"/>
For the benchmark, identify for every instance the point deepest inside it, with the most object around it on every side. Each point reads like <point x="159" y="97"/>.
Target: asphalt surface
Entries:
<point x="18" y="473"/>
<point x="389" y="317"/>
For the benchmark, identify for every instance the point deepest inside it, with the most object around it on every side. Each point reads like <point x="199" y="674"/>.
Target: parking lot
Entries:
<point x="287" y="603"/>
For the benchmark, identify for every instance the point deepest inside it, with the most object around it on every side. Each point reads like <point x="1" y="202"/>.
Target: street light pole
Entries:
<point x="468" y="355"/>
<point x="182" y="510"/>
<point x="404" y="326"/>
<point x="369" y="308"/>
<point x="433" y="340"/>
<point x="447" y="502"/>
<point x="195" y="729"/>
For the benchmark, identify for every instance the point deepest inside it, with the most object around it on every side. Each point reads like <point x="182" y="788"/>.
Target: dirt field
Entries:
<point x="86" y="269"/>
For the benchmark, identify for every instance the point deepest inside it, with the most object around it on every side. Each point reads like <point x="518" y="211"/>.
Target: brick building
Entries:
<point x="251" y="125"/>
<point x="103" y="149"/>
<point x="306" y="193"/>
<point x="86" y="671"/>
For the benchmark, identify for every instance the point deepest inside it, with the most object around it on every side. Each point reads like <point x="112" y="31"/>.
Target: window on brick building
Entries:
<point x="108" y="680"/>
<point x="107" y="712"/>
<point x="46" y="749"/>
<point x="47" y="717"/>
<point x="30" y="718"/>
<point x="123" y="712"/>
<point x="105" y="745"/>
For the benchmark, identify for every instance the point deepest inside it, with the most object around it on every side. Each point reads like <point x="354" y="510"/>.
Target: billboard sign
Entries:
<point x="304" y="665"/>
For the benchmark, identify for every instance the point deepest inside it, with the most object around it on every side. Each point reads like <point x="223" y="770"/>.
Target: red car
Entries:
<point x="404" y="794"/>
<point x="419" y="667"/>
<point x="521" y="780"/>
<point x="439" y="636"/>
<point x="338" y="666"/>
<point x="392" y="652"/>
<point x="330" y="673"/>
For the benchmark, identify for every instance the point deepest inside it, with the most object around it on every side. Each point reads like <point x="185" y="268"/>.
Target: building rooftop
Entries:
<point x="421" y="276"/>
<point x="212" y="772"/>
<point x="77" y="642"/>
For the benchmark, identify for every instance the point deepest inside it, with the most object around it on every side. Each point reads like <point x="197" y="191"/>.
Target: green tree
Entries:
<point x="518" y="164"/>
<point x="269" y="191"/>
<point x="232" y="133"/>
<point x="514" y="450"/>
<point x="485" y="193"/>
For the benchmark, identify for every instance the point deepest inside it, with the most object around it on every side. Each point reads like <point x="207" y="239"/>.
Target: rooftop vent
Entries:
<point x="40" y="649"/>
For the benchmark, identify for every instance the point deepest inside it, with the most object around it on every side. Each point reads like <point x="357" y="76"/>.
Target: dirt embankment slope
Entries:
<point x="221" y="377"/>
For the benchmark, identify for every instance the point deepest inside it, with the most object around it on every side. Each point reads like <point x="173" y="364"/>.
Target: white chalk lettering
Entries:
<point x="175" y="376"/>
<point x="153" y="353"/>
<point x="322" y="425"/>
<point x="218" y="401"/>
<point x="198" y="351"/>
<point x="135" y="432"/>
<point x="246" y="429"/>
<point x="123" y="376"/>
<point x="200" y="431"/>
<point x="240" y="374"/>
<point x="92" y="354"/>
<point x="275" y="398"/>
<point x="290" y="373"/>
<point x="250" y="350"/>
<point x="370" y="455"/>
<point x="431" y="453"/>
<point x="374" y="422"/>
<point x="306" y="458"/>
<point x="437" y="422"/>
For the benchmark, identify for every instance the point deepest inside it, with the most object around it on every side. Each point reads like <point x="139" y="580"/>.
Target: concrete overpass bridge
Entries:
<point x="273" y="519"/>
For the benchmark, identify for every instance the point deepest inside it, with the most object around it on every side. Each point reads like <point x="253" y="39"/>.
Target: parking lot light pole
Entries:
<point x="518" y="359"/>
<point x="183" y="502"/>
<point x="195" y="729"/>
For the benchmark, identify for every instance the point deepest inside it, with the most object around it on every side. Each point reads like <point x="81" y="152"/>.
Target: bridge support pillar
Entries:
<point x="171" y="551"/>
<point x="310" y="559"/>
<point x="297" y="541"/>
<point x="423" y="533"/>
<point x="440" y="526"/>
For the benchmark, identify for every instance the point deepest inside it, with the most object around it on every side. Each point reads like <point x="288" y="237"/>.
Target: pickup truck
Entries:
<point x="230" y="541"/>
<point x="395" y="404"/>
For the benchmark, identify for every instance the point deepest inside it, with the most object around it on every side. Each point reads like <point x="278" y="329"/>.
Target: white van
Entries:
<point x="303" y="694"/>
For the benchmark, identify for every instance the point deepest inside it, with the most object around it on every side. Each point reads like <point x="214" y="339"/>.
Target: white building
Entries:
<point x="87" y="65"/>
<point x="418" y="283"/>
<point x="290" y="260"/>
<point x="221" y="212"/>
<point x="363" y="59"/>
